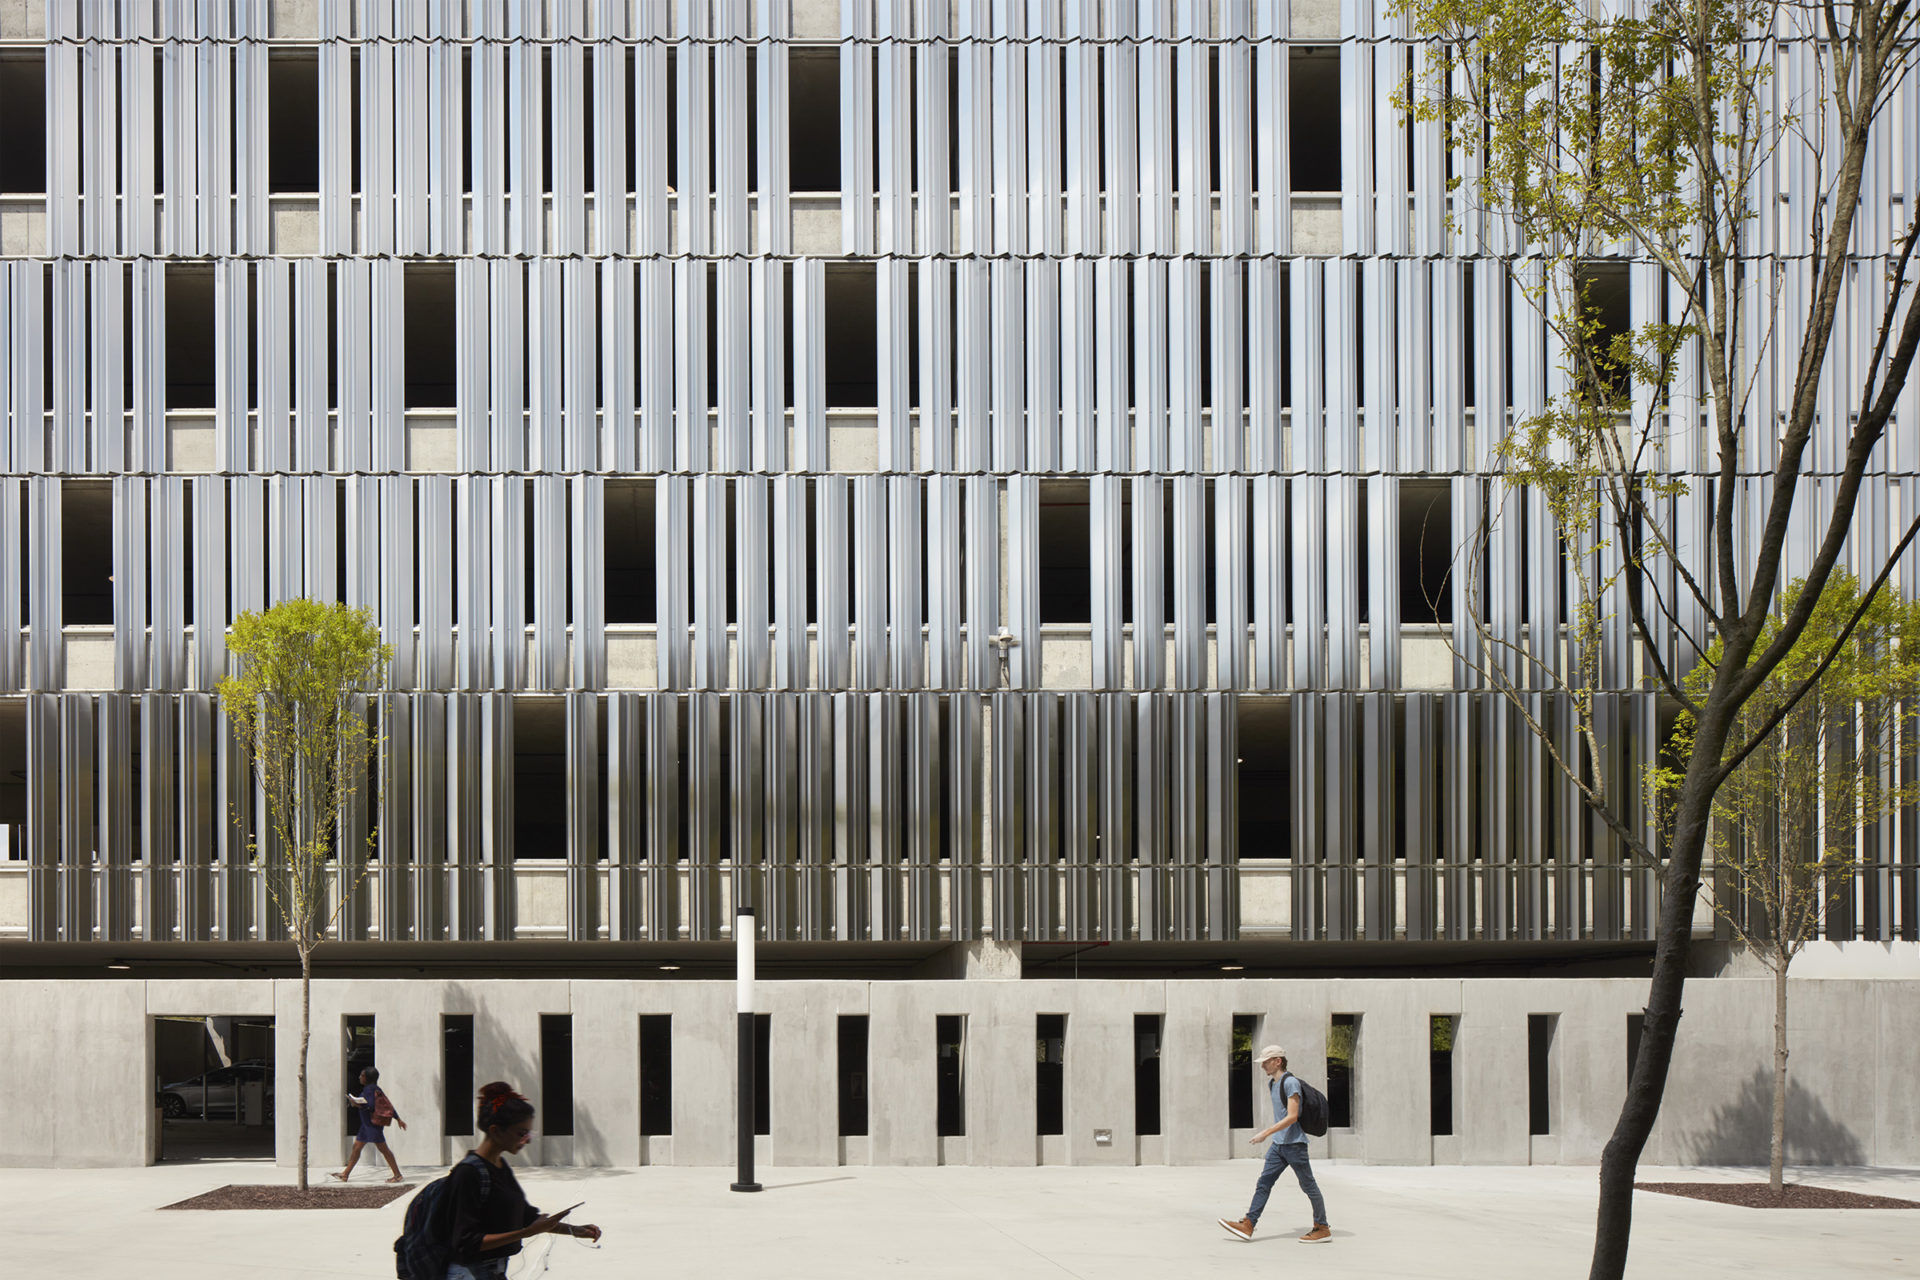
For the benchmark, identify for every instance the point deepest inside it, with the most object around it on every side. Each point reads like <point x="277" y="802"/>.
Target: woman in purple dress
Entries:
<point x="375" y="1110"/>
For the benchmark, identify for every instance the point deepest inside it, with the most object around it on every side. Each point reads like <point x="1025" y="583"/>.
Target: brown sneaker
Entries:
<point x="1320" y="1234"/>
<point x="1238" y="1228"/>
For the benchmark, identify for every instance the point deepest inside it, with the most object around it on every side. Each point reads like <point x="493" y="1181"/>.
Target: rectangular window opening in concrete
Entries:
<point x="1283" y="343"/>
<point x="950" y="1118"/>
<point x="852" y="376"/>
<point x="190" y="336"/>
<point x="1066" y="553"/>
<point x="953" y="122"/>
<point x="813" y="120"/>
<point x="1050" y="1073"/>
<point x="673" y="119"/>
<point x="293" y="120"/>
<point x="13" y="779"/>
<point x="1540" y="1034"/>
<point x="556" y="1075"/>
<point x="1343" y="1070"/>
<point x="86" y="553"/>
<point x="1147" y="1029"/>
<point x="1468" y="329"/>
<point x="656" y="1075"/>
<point x="23" y="96"/>
<point x="340" y="557"/>
<point x="1264" y="728"/>
<point x="1360" y="534"/>
<point x="1605" y="295"/>
<point x="1240" y="1069"/>
<point x="357" y="1041"/>
<point x="431" y="336"/>
<point x="533" y="567"/>
<point x="1444" y="1026"/>
<point x="946" y="818"/>
<point x="541" y="89"/>
<point x="853" y="1075"/>
<point x="353" y="118"/>
<point x="539" y="775"/>
<point x="762" y="1074"/>
<point x="1426" y="551"/>
<point x="1313" y="118"/>
<point x="603" y="774"/>
<point x="680" y="778"/>
<point x="456" y="1071"/>
<point x="467" y="113"/>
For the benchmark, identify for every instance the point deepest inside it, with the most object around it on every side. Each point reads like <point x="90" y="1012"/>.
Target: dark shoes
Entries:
<point x="1320" y="1234"/>
<point x="1238" y="1228"/>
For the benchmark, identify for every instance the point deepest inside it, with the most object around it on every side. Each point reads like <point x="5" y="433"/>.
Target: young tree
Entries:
<point x="1663" y="132"/>
<point x="1785" y="821"/>
<point x="297" y="704"/>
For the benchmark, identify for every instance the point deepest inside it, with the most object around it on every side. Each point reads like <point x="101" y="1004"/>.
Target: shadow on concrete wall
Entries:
<point x="1741" y="1130"/>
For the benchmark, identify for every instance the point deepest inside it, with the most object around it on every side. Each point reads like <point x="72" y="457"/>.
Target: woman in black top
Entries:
<point x="487" y="1230"/>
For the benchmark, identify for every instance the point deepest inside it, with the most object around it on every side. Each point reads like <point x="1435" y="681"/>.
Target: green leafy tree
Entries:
<point x="1585" y="134"/>
<point x="1785" y="821"/>
<point x="297" y="705"/>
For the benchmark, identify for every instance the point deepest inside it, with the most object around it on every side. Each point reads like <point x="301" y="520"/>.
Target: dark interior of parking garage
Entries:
<point x="860" y="961"/>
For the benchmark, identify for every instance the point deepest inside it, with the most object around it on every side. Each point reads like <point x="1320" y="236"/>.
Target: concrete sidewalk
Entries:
<point x="849" y="1223"/>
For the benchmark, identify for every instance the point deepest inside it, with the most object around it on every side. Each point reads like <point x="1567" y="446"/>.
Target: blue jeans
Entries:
<point x="1282" y="1156"/>
<point x="491" y="1269"/>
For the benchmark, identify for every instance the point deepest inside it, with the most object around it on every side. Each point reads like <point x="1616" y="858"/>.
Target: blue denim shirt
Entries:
<point x="1280" y="1089"/>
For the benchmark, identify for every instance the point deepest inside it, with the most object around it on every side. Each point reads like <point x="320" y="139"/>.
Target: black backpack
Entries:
<point x="1313" y="1109"/>
<point x="424" y="1249"/>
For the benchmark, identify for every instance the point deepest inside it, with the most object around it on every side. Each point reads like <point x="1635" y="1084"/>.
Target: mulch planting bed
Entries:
<point x="1759" y="1195"/>
<point x="256" y="1196"/>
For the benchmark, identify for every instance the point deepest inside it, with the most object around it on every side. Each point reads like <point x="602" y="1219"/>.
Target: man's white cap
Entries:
<point x="1271" y="1051"/>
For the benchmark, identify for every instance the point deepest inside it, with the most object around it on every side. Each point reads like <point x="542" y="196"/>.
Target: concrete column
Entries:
<point x="704" y="1071"/>
<point x="1392" y="1080"/>
<point x="1588" y="1064"/>
<point x="805" y="1053"/>
<point x="606" y="1055"/>
<point x="506" y="1046"/>
<point x="1490" y="1073"/>
<point x="902" y="1083"/>
<point x="1100" y="1068"/>
<point x="1001" y="1108"/>
<point x="409" y="1052"/>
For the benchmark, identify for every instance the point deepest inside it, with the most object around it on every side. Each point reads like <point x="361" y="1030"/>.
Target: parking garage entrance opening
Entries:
<point x="213" y="1087"/>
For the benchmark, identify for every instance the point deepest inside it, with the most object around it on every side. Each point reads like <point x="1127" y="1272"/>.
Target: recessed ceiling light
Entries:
<point x="1231" y="968"/>
<point x="118" y="965"/>
<point x="669" y="968"/>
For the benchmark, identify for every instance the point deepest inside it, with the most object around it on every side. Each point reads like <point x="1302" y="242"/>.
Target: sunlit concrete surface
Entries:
<point x="848" y="1223"/>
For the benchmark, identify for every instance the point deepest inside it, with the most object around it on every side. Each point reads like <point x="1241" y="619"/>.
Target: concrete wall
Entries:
<point x="83" y="1051"/>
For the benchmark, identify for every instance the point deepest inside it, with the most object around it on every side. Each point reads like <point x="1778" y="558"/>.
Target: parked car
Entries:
<point x="216" y="1094"/>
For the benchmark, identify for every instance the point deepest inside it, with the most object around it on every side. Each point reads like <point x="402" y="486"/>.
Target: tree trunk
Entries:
<point x="1673" y="945"/>
<point x="1777" y="1158"/>
<point x="300" y="1075"/>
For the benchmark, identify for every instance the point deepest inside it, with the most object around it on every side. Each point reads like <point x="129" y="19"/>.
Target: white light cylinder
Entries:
<point x="743" y="961"/>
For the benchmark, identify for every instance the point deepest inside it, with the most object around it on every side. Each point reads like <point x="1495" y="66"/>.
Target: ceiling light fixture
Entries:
<point x="1231" y="968"/>
<point x="118" y="964"/>
<point x="669" y="968"/>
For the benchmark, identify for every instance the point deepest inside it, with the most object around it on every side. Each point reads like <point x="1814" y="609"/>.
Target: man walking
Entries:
<point x="1289" y="1151"/>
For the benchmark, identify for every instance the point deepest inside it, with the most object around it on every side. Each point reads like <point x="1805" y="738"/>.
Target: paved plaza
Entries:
<point x="849" y="1223"/>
